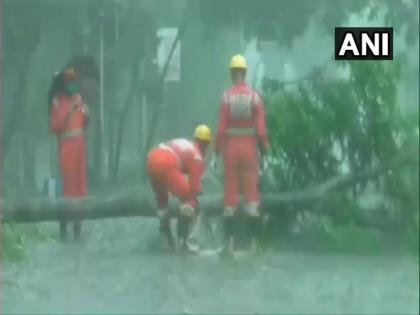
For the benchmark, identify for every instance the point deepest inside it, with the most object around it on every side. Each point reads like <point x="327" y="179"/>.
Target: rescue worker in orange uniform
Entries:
<point x="242" y="141"/>
<point x="69" y="118"/>
<point x="169" y="164"/>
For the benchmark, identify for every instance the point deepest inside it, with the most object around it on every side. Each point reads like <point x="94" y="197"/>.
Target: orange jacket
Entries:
<point x="61" y="108"/>
<point x="241" y="108"/>
<point x="190" y="160"/>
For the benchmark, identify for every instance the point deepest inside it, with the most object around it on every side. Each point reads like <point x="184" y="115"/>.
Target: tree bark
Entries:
<point x="19" y="106"/>
<point x="140" y="203"/>
<point x="29" y="158"/>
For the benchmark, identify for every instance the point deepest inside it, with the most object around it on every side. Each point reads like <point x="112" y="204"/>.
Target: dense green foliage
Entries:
<point x="358" y="115"/>
<point x="324" y="127"/>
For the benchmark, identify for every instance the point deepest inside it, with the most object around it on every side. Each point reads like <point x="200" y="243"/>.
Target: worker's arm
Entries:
<point x="59" y="118"/>
<point x="223" y="115"/>
<point x="84" y="109"/>
<point x="85" y="115"/>
<point x="260" y="125"/>
<point x="196" y="174"/>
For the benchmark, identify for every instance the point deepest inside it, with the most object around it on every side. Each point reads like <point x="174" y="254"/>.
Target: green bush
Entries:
<point x="327" y="126"/>
<point x="13" y="243"/>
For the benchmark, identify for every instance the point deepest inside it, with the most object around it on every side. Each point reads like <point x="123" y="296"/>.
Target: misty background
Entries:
<point x="343" y="234"/>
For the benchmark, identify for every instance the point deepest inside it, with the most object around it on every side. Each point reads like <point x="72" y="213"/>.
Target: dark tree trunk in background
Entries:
<point x="29" y="160"/>
<point x="18" y="107"/>
<point x="130" y="100"/>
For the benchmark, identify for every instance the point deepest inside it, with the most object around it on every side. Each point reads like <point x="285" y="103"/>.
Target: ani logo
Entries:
<point x="360" y="43"/>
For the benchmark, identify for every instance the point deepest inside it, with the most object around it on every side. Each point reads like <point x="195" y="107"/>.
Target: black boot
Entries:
<point x="255" y="225"/>
<point x="183" y="232"/>
<point x="183" y="229"/>
<point x="77" y="230"/>
<point x="63" y="231"/>
<point x="229" y="224"/>
<point x="165" y="229"/>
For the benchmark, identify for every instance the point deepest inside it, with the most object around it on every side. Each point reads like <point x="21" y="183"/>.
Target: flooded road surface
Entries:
<point x="116" y="270"/>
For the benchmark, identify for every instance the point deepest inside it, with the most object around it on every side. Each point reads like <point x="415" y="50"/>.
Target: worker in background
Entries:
<point x="69" y="118"/>
<point x="169" y="164"/>
<point x="242" y="140"/>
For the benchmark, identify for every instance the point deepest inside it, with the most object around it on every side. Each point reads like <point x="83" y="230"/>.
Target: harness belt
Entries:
<point x="70" y="133"/>
<point x="240" y="131"/>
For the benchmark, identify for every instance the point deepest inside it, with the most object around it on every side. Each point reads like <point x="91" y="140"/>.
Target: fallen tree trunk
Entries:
<point x="138" y="203"/>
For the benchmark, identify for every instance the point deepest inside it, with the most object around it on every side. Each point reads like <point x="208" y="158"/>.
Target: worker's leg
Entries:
<point x="231" y="200"/>
<point x="252" y="195"/>
<point x="179" y="186"/>
<point x="187" y="217"/>
<point x="162" y="198"/>
<point x="194" y="231"/>
<point x="70" y="181"/>
<point x="158" y="164"/>
<point x="81" y="174"/>
<point x="69" y="178"/>
<point x="77" y="229"/>
<point x="63" y="230"/>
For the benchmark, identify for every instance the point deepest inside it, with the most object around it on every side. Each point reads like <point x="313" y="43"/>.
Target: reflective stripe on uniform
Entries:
<point x="256" y="98"/>
<point x="71" y="133"/>
<point x="240" y="131"/>
<point x="168" y="148"/>
<point x="240" y="106"/>
<point x="225" y="98"/>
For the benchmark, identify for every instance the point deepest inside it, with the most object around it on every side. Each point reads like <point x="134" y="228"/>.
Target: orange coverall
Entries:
<point x="241" y="132"/>
<point x="69" y="129"/>
<point x="169" y="164"/>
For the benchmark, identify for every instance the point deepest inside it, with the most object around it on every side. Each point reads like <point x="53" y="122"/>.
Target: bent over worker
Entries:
<point x="241" y="137"/>
<point x="169" y="164"/>
<point x="69" y="118"/>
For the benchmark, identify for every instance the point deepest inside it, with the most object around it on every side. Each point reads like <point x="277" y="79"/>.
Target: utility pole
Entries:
<point x="143" y="109"/>
<point x="103" y="152"/>
<point x="117" y="21"/>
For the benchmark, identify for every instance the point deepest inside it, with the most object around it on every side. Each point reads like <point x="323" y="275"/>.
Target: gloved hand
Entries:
<point x="187" y="210"/>
<point x="213" y="163"/>
<point x="263" y="163"/>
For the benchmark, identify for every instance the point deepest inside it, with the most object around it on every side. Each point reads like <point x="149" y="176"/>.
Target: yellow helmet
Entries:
<point x="202" y="132"/>
<point x="237" y="62"/>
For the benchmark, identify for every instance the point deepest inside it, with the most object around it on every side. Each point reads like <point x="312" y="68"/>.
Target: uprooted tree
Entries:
<point x="332" y="138"/>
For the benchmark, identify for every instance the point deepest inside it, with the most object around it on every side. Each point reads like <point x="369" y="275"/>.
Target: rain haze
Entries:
<point x="292" y="177"/>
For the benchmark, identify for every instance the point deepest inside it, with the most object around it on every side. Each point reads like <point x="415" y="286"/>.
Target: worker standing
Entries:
<point x="168" y="164"/>
<point x="241" y="138"/>
<point x="69" y="118"/>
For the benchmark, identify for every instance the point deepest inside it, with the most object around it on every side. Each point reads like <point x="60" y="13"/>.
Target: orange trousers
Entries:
<point x="73" y="165"/>
<point x="166" y="177"/>
<point x="241" y="170"/>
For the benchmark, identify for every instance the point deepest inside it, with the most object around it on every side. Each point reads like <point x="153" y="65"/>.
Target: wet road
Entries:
<point x="116" y="270"/>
